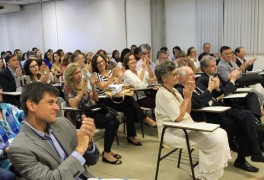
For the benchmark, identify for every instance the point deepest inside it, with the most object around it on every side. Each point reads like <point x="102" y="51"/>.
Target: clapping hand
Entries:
<point x="188" y="89"/>
<point x="93" y="79"/>
<point x="85" y="83"/>
<point x="234" y="75"/>
<point x="214" y="83"/>
<point x="85" y="134"/>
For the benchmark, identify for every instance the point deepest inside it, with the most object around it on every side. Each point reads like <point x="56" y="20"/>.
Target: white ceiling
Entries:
<point x="25" y="2"/>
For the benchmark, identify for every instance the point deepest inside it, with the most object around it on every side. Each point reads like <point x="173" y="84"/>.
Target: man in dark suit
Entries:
<point x="250" y="102"/>
<point x="48" y="147"/>
<point x="7" y="78"/>
<point x="237" y="123"/>
<point x="241" y="54"/>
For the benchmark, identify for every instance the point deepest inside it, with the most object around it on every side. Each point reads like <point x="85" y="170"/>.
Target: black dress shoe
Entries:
<point x="117" y="156"/>
<point x="117" y="162"/>
<point x="131" y="142"/>
<point x="258" y="158"/>
<point x="246" y="166"/>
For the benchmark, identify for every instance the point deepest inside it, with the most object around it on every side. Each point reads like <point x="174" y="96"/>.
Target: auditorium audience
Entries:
<point x="82" y="88"/>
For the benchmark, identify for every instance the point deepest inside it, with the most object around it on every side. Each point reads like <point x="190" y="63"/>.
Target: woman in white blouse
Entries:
<point x="140" y="78"/>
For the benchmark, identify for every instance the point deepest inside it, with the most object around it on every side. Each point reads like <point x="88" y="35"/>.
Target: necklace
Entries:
<point x="173" y="92"/>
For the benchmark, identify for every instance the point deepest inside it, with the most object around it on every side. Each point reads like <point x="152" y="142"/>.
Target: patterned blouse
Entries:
<point x="102" y="78"/>
<point x="84" y="102"/>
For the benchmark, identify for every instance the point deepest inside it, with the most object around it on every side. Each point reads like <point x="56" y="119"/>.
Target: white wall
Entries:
<point x="138" y="22"/>
<point x="84" y="24"/>
<point x="180" y="24"/>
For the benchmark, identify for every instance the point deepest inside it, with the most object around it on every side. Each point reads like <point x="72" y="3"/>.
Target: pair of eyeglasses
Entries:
<point x="175" y="74"/>
<point x="100" y="62"/>
<point x="33" y="66"/>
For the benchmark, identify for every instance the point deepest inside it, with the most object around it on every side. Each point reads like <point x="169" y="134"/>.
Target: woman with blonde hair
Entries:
<point x="77" y="95"/>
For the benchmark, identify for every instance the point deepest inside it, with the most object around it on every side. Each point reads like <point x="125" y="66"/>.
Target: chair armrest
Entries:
<point x="207" y="127"/>
<point x="213" y="109"/>
<point x="70" y="109"/>
<point x="243" y="90"/>
<point x="234" y="96"/>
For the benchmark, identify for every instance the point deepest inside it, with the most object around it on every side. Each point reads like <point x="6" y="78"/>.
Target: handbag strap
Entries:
<point x="117" y="102"/>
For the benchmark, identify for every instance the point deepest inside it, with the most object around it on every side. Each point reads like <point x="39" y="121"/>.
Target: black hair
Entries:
<point x="223" y="48"/>
<point x="123" y="53"/>
<point x="35" y="92"/>
<point x="94" y="62"/>
<point x="8" y="57"/>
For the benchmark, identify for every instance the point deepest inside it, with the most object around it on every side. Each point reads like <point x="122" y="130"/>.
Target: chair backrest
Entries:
<point x="61" y="103"/>
<point x="21" y="81"/>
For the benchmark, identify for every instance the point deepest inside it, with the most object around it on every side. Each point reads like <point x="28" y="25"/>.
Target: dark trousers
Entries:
<point x="148" y="102"/>
<point x="250" y="102"/>
<point x="131" y="110"/>
<point x="238" y="124"/>
<point x="249" y="137"/>
<point x="111" y="128"/>
<point x="249" y="79"/>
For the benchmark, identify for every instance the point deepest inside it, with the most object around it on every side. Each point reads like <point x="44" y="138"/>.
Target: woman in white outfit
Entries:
<point x="171" y="106"/>
<point x="140" y="78"/>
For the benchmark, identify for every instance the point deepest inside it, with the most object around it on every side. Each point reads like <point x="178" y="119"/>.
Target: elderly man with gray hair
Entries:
<point x="144" y="53"/>
<point x="162" y="56"/>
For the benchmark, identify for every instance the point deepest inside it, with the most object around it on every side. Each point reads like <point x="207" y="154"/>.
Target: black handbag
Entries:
<point x="100" y="113"/>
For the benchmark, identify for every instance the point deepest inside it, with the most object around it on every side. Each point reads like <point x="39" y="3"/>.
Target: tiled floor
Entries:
<point x="140" y="162"/>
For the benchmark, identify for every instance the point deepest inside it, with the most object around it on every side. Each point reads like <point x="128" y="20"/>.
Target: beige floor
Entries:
<point x="140" y="162"/>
